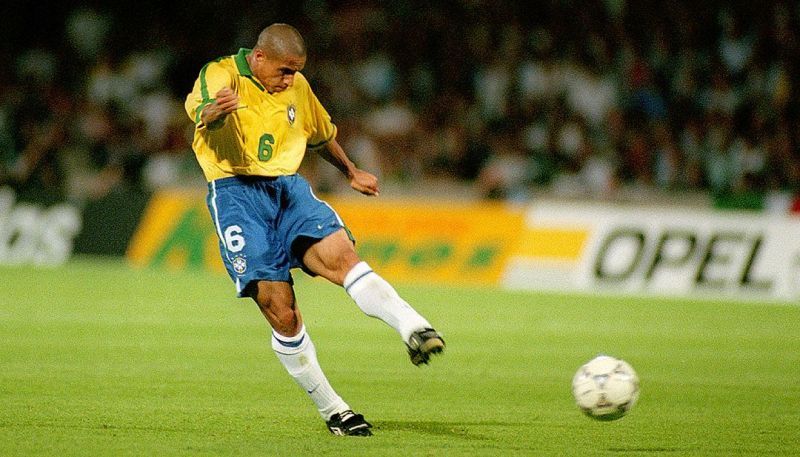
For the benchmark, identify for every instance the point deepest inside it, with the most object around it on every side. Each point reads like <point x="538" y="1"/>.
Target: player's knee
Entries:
<point x="332" y="257"/>
<point x="278" y="306"/>
<point x="281" y="316"/>
<point x="347" y="260"/>
<point x="286" y="322"/>
<point x="340" y="265"/>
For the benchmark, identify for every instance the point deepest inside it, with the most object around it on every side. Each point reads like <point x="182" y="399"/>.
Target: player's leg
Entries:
<point x="296" y="351"/>
<point x="253" y="254"/>
<point x="335" y="259"/>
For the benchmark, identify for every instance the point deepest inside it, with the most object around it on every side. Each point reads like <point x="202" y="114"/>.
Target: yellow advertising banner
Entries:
<point x="433" y="242"/>
<point x="414" y="241"/>
<point x="176" y="231"/>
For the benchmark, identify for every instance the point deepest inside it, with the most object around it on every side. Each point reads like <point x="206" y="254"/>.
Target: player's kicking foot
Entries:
<point x="349" y="423"/>
<point x="422" y="343"/>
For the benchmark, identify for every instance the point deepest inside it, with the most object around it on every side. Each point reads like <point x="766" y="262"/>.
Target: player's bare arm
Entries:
<point x="360" y="180"/>
<point x="226" y="102"/>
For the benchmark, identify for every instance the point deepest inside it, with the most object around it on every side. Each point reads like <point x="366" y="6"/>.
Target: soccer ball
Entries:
<point x="605" y="388"/>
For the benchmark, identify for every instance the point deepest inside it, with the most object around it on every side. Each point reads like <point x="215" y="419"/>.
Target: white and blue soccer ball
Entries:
<point x="605" y="388"/>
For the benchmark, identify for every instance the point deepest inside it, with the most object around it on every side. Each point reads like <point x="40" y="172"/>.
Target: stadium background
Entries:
<point x="687" y="105"/>
<point x="592" y="148"/>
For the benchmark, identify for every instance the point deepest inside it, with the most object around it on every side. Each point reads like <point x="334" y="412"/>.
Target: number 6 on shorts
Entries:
<point x="234" y="240"/>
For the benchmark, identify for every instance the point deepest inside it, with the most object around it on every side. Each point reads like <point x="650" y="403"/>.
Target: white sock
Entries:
<point x="377" y="298"/>
<point x="298" y="355"/>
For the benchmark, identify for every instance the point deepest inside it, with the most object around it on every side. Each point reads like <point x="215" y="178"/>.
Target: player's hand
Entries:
<point x="226" y="102"/>
<point x="364" y="182"/>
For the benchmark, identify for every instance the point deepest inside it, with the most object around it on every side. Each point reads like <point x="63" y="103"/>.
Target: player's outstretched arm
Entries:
<point x="360" y="180"/>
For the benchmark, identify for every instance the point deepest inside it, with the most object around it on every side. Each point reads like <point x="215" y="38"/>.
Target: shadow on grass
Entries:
<point x="448" y="429"/>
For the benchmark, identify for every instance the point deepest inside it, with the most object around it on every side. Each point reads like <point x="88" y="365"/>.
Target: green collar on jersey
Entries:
<point x="244" y="68"/>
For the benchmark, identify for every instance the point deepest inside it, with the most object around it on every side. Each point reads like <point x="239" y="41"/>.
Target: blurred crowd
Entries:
<point x="498" y="100"/>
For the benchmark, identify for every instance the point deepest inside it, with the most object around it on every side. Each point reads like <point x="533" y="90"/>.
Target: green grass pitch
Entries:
<point x="99" y="359"/>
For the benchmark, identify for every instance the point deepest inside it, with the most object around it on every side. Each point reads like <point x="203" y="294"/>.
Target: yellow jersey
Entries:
<point x="267" y="135"/>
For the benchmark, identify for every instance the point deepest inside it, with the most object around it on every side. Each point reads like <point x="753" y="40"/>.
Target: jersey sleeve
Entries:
<point x="213" y="77"/>
<point x="323" y="130"/>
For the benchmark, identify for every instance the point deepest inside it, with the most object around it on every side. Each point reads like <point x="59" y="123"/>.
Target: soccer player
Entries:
<point x="255" y="115"/>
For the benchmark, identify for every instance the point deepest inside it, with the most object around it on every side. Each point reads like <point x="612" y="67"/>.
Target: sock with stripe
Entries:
<point x="299" y="357"/>
<point x="377" y="298"/>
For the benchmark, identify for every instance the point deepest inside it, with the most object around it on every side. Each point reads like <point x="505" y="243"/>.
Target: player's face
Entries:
<point x="276" y="74"/>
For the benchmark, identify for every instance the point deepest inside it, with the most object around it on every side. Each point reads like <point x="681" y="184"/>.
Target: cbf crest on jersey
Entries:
<point x="291" y="114"/>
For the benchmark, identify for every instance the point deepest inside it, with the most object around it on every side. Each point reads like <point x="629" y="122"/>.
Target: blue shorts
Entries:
<point x="259" y="220"/>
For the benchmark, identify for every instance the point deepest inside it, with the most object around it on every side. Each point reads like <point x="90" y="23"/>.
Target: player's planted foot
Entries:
<point x="422" y="343"/>
<point x="349" y="423"/>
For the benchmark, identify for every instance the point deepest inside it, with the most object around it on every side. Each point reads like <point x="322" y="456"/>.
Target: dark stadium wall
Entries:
<point x="109" y="223"/>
